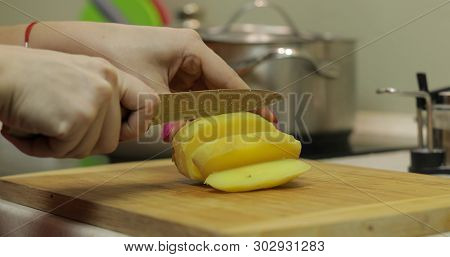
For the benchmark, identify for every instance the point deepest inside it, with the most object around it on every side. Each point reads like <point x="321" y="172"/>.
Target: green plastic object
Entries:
<point x="94" y="160"/>
<point x="136" y="12"/>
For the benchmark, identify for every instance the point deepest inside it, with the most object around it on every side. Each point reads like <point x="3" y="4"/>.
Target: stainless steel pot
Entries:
<point x="282" y="59"/>
<point x="441" y="124"/>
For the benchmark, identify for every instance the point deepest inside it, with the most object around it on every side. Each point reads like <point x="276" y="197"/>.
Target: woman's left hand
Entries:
<point x="167" y="59"/>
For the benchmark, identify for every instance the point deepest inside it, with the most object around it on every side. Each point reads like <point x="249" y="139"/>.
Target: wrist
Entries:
<point x="49" y="36"/>
<point x="72" y="37"/>
<point x="12" y="35"/>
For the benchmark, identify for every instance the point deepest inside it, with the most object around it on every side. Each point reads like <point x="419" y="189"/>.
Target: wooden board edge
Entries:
<point x="320" y="165"/>
<point x="98" y="168"/>
<point x="413" y="217"/>
<point x="107" y="217"/>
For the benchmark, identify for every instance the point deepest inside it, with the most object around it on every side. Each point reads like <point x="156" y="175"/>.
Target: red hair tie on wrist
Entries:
<point x="28" y="32"/>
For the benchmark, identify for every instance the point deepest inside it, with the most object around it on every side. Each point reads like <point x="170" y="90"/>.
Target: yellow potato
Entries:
<point x="237" y="152"/>
<point x="244" y="149"/>
<point x="257" y="176"/>
<point x="203" y="130"/>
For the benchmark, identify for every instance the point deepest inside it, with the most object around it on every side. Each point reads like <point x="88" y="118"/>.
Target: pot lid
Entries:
<point x="232" y="32"/>
<point x="252" y="33"/>
<point x="263" y="34"/>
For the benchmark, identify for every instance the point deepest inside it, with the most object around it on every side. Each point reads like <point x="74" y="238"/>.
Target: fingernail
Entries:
<point x="277" y="125"/>
<point x="167" y="129"/>
<point x="275" y="119"/>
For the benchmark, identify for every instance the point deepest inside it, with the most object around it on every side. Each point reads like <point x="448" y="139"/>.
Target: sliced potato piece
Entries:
<point x="245" y="149"/>
<point x="257" y="176"/>
<point x="208" y="129"/>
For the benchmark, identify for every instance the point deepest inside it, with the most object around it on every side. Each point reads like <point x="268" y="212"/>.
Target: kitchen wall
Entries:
<point x="422" y="45"/>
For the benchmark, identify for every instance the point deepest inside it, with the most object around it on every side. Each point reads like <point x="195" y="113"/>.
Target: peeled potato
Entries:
<point x="244" y="149"/>
<point x="203" y="130"/>
<point x="237" y="152"/>
<point x="257" y="176"/>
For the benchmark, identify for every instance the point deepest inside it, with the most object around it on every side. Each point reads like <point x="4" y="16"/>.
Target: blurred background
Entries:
<point x="391" y="53"/>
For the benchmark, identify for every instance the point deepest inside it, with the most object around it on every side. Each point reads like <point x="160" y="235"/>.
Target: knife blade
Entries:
<point x="195" y="104"/>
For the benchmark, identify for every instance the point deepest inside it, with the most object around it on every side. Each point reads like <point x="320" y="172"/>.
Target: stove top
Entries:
<point x="345" y="144"/>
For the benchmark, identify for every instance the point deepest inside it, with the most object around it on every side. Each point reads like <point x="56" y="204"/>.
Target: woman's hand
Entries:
<point x="166" y="59"/>
<point x="170" y="59"/>
<point x="72" y="102"/>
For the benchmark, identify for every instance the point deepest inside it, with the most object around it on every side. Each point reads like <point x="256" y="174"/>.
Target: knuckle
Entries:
<point x="84" y="115"/>
<point x="103" y="91"/>
<point x="107" y="70"/>
<point x="98" y="61"/>
<point x="191" y="34"/>
<point x="79" y="116"/>
<point x="63" y="130"/>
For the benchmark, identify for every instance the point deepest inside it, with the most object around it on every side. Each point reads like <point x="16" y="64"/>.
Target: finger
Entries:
<point x="267" y="114"/>
<point x="109" y="136"/>
<point x="188" y="74"/>
<point x="216" y="73"/>
<point x="170" y="129"/>
<point x="43" y="146"/>
<point x="89" y="140"/>
<point x="36" y="146"/>
<point x="141" y="100"/>
<point x="63" y="144"/>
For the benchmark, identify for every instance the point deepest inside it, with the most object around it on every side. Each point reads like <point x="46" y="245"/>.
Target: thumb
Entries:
<point x="216" y="72"/>
<point x="140" y="101"/>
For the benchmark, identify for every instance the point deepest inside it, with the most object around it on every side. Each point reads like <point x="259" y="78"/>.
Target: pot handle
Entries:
<point x="261" y="4"/>
<point x="323" y="68"/>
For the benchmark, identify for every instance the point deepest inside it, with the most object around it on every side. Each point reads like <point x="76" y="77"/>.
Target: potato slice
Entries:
<point x="245" y="149"/>
<point x="257" y="176"/>
<point x="208" y="129"/>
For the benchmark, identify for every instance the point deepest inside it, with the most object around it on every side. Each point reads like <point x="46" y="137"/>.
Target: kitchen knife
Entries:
<point x="195" y="104"/>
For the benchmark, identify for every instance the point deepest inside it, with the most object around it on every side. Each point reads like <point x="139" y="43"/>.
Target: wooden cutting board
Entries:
<point x="152" y="199"/>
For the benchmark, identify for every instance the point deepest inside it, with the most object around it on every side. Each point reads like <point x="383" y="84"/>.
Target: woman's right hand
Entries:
<point x="72" y="102"/>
